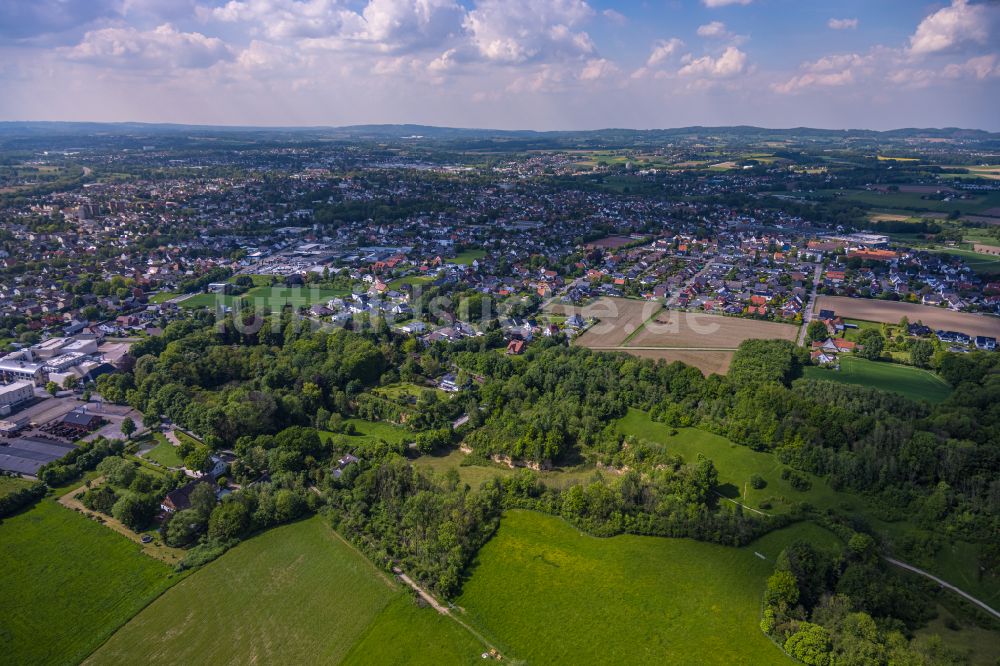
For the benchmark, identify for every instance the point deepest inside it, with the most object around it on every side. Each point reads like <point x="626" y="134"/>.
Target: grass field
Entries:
<point x="164" y="453"/>
<point x="266" y="295"/>
<point x="9" y="484"/>
<point x="736" y="464"/>
<point x="911" y="382"/>
<point x="466" y="257"/>
<point x="891" y="312"/>
<point x="912" y="201"/>
<point x="411" y="280"/>
<point x="549" y="594"/>
<point x="370" y="431"/>
<point x="162" y="297"/>
<point x="404" y="390"/>
<point x="68" y="583"/>
<point x="296" y="594"/>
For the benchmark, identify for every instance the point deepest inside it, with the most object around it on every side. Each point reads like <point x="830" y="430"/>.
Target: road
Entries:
<point x="672" y="299"/>
<point x="807" y="313"/>
<point x="942" y="583"/>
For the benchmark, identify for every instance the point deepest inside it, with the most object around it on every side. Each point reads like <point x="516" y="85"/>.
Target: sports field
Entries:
<point x="911" y="382"/>
<point x="549" y="594"/>
<point x="296" y="594"/>
<point x="891" y="312"/>
<point x="68" y="583"/>
<point x="266" y="295"/>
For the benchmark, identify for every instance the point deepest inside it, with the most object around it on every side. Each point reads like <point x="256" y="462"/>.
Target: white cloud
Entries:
<point x="951" y="27"/>
<point x="615" y="17"/>
<point x="723" y="3"/>
<point x="163" y="47"/>
<point x="831" y="71"/>
<point x="842" y="24"/>
<point x="662" y="50"/>
<point x="713" y="29"/>
<point x="598" y="68"/>
<point x="515" y="31"/>
<point x="730" y="63"/>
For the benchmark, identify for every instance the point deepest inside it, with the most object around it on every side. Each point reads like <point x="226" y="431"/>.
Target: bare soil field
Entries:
<point x="618" y="318"/>
<point x="689" y="329"/>
<point x="709" y="362"/>
<point x="610" y="242"/>
<point x="891" y="312"/>
<point x="641" y="328"/>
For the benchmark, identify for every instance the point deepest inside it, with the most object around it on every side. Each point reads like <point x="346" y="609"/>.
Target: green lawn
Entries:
<point x="411" y="280"/>
<point x="405" y="390"/>
<point x="164" y="453"/>
<point x="550" y="594"/>
<point x="294" y="595"/>
<point x="370" y="431"/>
<point x="162" y="296"/>
<point x="9" y="484"/>
<point x="911" y="382"/>
<point x="466" y="257"/>
<point x="68" y="583"/>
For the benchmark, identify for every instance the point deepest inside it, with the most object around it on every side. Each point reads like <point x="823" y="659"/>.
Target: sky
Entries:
<point x="506" y="64"/>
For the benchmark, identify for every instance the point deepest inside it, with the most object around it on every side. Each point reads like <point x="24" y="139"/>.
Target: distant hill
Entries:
<point x="26" y="133"/>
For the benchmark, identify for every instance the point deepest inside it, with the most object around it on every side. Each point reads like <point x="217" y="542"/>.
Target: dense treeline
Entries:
<point x="84" y="457"/>
<point x="849" y="609"/>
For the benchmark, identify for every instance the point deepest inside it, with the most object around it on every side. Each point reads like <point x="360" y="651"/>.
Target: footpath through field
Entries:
<point x="910" y="567"/>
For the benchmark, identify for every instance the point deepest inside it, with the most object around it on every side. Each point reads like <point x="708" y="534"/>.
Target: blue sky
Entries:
<point x="542" y="64"/>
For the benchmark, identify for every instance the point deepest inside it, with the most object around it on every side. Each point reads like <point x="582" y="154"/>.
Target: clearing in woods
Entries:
<point x="295" y="594"/>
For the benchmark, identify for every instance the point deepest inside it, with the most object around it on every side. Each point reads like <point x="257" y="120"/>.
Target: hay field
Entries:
<point x="618" y="319"/>
<point x="673" y="328"/>
<point x="891" y="312"/>
<point x="709" y="362"/>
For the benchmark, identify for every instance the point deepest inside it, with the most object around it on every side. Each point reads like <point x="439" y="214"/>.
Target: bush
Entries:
<point x="757" y="482"/>
<point x="17" y="500"/>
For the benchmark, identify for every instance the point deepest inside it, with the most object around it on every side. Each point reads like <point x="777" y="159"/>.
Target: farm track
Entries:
<point x="966" y="595"/>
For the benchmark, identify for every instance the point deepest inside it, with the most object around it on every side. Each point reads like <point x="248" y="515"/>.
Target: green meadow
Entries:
<point x="68" y="583"/>
<point x="906" y="380"/>
<point x="296" y="594"/>
<point x="547" y="593"/>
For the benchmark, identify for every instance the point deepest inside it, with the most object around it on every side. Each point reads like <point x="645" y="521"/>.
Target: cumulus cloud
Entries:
<point x="383" y="25"/>
<point x="732" y="62"/>
<point x="516" y="31"/>
<point x="161" y="48"/>
<point x="598" y="68"/>
<point x="831" y="71"/>
<point x="952" y="27"/>
<point x="842" y="24"/>
<point x="713" y="29"/>
<point x="663" y="50"/>
<point x="723" y="3"/>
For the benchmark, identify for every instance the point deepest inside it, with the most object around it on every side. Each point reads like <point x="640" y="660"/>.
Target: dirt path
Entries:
<point x="160" y="552"/>
<point x="966" y="595"/>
